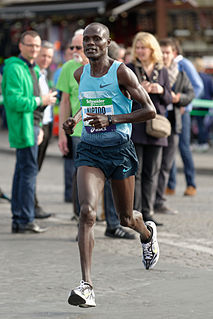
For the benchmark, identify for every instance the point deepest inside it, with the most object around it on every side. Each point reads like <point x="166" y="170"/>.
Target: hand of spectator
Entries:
<point x="50" y="98"/>
<point x="62" y="143"/>
<point x="40" y="136"/>
<point x="175" y="97"/>
<point x="156" y="88"/>
<point x="146" y="85"/>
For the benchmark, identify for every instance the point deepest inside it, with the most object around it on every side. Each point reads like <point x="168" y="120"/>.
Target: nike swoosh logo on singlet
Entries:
<point x="103" y="85"/>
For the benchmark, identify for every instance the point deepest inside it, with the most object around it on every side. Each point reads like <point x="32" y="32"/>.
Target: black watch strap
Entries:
<point x="109" y="119"/>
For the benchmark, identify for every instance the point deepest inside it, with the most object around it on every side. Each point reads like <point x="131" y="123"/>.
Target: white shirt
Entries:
<point x="44" y="89"/>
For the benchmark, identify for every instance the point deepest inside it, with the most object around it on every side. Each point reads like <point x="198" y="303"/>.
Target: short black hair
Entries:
<point x="173" y="42"/>
<point x="103" y="26"/>
<point x="167" y="42"/>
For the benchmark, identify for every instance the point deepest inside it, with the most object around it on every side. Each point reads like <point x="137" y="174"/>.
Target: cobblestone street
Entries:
<point x="37" y="271"/>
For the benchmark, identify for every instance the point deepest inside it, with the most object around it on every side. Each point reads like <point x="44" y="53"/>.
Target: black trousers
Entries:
<point x="149" y="158"/>
<point x="43" y="148"/>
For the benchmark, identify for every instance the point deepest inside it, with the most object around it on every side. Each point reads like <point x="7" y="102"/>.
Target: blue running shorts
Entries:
<point x="116" y="162"/>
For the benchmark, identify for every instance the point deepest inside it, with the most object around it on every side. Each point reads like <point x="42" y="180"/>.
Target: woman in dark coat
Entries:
<point x="148" y="66"/>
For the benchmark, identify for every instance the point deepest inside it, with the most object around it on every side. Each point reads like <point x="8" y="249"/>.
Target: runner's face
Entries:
<point x="95" y="42"/>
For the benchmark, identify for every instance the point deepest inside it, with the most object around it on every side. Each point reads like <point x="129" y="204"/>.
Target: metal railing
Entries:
<point x="200" y="103"/>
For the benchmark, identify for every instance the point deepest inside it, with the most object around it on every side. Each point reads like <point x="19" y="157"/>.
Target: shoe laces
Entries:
<point x="83" y="285"/>
<point x="147" y="251"/>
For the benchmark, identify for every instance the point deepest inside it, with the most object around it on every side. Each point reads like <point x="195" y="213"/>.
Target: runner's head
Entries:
<point x="96" y="40"/>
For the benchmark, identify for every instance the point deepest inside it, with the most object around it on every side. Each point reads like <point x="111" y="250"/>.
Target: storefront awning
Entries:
<point x="133" y="3"/>
<point x="97" y="7"/>
<point x="126" y="6"/>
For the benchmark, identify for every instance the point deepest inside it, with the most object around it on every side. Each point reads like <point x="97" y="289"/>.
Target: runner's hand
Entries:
<point x="69" y="125"/>
<point x="97" y="120"/>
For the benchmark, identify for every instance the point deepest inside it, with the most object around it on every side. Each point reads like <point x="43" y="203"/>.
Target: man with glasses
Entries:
<point x="24" y="105"/>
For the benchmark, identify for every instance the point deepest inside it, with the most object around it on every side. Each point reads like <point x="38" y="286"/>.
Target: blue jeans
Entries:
<point x="186" y="155"/>
<point x="202" y="130"/>
<point x="24" y="180"/>
<point x="110" y="212"/>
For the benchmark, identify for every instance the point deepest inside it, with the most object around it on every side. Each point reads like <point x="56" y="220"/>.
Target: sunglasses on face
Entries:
<point x="78" y="47"/>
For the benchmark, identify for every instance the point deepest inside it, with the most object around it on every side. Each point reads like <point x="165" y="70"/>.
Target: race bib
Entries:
<point x="97" y="106"/>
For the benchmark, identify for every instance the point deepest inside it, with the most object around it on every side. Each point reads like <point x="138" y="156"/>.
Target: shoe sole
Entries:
<point x="76" y="300"/>
<point x="86" y="306"/>
<point x="43" y="217"/>
<point x="28" y="231"/>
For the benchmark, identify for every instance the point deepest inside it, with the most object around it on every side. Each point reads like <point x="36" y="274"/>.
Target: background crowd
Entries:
<point x="172" y="82"/>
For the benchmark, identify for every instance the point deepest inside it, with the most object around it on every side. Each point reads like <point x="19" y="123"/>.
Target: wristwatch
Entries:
<point x="109" y="119"/>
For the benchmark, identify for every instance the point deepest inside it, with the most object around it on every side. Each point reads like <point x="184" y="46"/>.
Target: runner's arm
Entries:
<point x="129" y="84"/>
<point x="128" y="80"/>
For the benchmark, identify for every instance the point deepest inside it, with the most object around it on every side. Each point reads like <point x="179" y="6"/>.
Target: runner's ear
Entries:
<point x="109" y="42"/>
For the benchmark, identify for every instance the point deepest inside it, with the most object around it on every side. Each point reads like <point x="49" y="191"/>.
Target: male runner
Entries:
<point x="106" y="151"/>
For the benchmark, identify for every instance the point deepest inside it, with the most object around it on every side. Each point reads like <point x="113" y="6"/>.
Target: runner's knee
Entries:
<point x="87" y="214"/>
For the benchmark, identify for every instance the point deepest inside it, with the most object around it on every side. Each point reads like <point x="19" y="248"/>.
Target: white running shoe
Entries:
<point x="82" y="296"/>
<point x="151" y="250"/>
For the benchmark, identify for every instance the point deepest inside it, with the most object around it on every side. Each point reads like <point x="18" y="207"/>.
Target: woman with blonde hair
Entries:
<point x="147" y="64"/>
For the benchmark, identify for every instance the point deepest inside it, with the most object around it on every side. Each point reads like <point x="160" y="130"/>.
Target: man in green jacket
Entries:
<point x="24" y="106"/>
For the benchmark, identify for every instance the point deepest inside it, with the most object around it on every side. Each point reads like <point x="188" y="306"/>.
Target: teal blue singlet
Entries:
<point x="102" y="95"/>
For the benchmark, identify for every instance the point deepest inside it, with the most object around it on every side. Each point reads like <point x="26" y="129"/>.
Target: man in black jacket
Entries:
<point x="182" y="95"/>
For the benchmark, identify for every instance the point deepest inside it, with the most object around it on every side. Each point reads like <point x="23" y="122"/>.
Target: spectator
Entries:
<point x="147" y="63"/>
<point x="182" y="95"/>
<point x="185" y="135"/>
<point x="128" y="55"/>
<point x="122" y="52"/>
<point x="66" y="57"/>
<point x="23" y="105"/>
<point x="44" y="60"/>
<point x="207" y="94"/>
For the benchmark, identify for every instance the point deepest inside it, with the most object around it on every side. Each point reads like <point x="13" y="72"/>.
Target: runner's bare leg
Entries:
<point x="123" y="194"/>
<point x="90" y="181"/>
